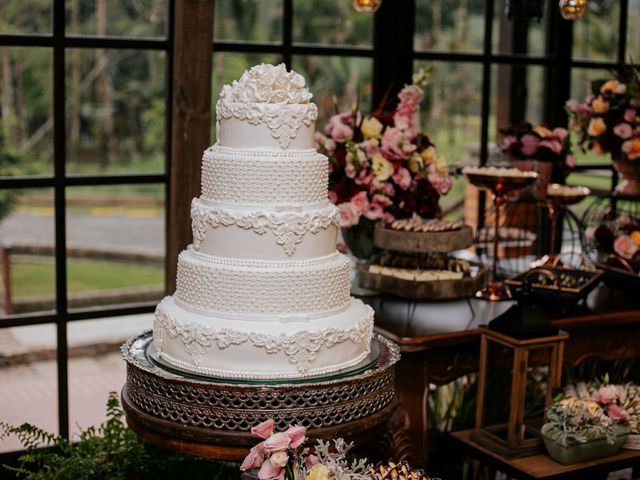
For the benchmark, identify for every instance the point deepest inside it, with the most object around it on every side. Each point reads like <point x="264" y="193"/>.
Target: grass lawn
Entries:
<point x="32" y="277"/>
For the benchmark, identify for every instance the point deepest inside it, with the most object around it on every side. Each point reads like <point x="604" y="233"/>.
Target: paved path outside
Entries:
<point x="86" y="229"/>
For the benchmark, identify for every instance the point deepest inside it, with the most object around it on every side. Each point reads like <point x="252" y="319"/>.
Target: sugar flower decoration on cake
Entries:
<point x="381" y="166"/>
<point x="267" y="84"/>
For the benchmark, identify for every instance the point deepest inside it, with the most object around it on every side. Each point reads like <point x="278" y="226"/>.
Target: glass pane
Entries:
<point x="332" y="22"/>
<point x="115" y="111"/>
<point x="497" y="394"/>
<point x="248" y="20"/>
<point x="25" y="16"/>
<point x="228" y="67"/>
<point x="96" y="366"/>
<point x="595" y="36"/>
<point x="125" y="18"/>
<point x="450" y="26"/>
<point x="633" y="31"/>
<point x="115" y="244"/>
<point x="27" y="255"/>
<point x="337" y="83"/>
<point x="26" y="111"/>
<point x="518" y="35"/>
<point x="537" y="387"/>
<point x="29" y="390"/>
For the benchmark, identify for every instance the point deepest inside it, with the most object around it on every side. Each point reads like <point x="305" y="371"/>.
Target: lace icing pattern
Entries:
<point x="288" y="228"/>
<point x="281" y="292"/>
<point x="283" y="121"/>
<point x="301" y="348"/>
<point x="265" y="180"/>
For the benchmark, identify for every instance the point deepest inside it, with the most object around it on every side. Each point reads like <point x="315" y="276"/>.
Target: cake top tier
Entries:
<point x="268" y="107"/>
<point x="266" y="83"/>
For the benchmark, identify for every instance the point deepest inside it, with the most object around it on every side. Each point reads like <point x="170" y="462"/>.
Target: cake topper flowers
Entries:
<point x="381" y="166"/>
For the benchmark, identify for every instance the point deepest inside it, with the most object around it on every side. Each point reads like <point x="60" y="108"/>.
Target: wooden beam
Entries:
<point x="191" y="121"/>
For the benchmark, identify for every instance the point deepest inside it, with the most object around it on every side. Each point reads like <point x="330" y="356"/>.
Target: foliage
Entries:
<point x="9" y="162"/>
<point x="572" y="421"/>
<point x="452" y="407"/>
<point x="108" y="451"/>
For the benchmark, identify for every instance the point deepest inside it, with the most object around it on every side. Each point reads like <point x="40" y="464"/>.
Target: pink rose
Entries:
<point x="296" y="435"/>
<point x="360" y="201"/>
<point x="381" y="200"/>
<point x="264" y="430"/>
<point x="616" y="412"/>
<point x="310" y="461"/>
<point x="269" y="471"/>
<point x="630" y="115"/>
<point x="570" y="161"/>
<point x="402" y="177"/>
<point x="552" y="145"/>
<point x="625" y="247"/>
<point x="607" y="394"/>
<point x="561" y="134"/>
<point x="623" y="130"/>
<point x="529" y="144"/>
<point x="349" y="215"/>
<point x="333" y="196"/>
<point x="374" y="211"/>
<point x="278" y="441"/>
<point x="442" y="183"/>
<point x="255" y="458"/>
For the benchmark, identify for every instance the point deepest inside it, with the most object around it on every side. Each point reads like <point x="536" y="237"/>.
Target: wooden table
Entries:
<point x="542" y="466"/>
<point x="441" y="343"/>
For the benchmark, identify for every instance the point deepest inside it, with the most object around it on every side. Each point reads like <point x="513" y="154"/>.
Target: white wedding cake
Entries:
<point x="262" y="292"/>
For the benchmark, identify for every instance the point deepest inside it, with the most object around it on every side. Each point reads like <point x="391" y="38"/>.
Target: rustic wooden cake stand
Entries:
<point x="213" y="418"/>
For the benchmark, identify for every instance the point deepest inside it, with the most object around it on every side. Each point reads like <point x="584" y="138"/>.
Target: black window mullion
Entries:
<point x="622" y="33"/>
<point x="59" y="160"/>
<point x="287" y="32"/>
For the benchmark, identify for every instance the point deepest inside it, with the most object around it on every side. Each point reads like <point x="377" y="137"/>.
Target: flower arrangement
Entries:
<point x="381" y="167"/>
<point x="609" y="119"/>
<point x="526" y="141"/>
<point x="278" y="457"/>
<point x="571" y="421"/>
<point x="619" y="237"/>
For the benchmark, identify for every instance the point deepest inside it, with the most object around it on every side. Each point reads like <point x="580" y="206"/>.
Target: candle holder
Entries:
<point x="500" y="182"/>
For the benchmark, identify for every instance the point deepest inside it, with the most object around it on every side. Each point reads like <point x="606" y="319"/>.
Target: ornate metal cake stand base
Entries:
<point x="213" y="419"/>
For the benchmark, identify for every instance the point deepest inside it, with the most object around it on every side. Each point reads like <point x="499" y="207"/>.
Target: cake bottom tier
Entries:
<point x="242" y="349"/>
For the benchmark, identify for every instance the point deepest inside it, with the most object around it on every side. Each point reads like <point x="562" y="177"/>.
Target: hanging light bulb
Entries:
<point x="367" y="5"/>
<point x="573" y="9"/>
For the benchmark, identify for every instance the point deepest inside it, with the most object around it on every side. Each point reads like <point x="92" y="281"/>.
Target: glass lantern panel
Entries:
<point x="538" y="375"/>
<point x="497" y="392"/>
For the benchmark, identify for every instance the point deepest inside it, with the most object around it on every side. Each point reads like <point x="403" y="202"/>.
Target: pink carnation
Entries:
<point x="264" y="429"/>
<point x="402" y="177"/>
<point x="360" y="201"/>
<point x="349" y="215"/>
<point x="529" y="144"/>
<point x="625" y="247"/>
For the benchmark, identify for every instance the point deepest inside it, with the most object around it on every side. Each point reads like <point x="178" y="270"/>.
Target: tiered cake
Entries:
<point x="262" y="292"/>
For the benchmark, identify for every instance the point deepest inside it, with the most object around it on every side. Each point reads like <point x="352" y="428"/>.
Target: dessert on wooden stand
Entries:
<point x="416" y="263"/>
<point x="261" y="324"/>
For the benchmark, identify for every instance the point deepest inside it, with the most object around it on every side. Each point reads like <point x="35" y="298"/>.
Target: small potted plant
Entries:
<point x="579" y="430"/>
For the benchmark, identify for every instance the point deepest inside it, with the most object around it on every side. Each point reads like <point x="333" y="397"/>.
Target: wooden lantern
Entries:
<point x="515" y="385"/>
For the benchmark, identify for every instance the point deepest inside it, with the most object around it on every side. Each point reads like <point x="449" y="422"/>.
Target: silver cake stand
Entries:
<point x="213" y="417"/>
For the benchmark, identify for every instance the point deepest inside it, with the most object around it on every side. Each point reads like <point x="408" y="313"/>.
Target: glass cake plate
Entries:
<point x="368" y="363"/>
